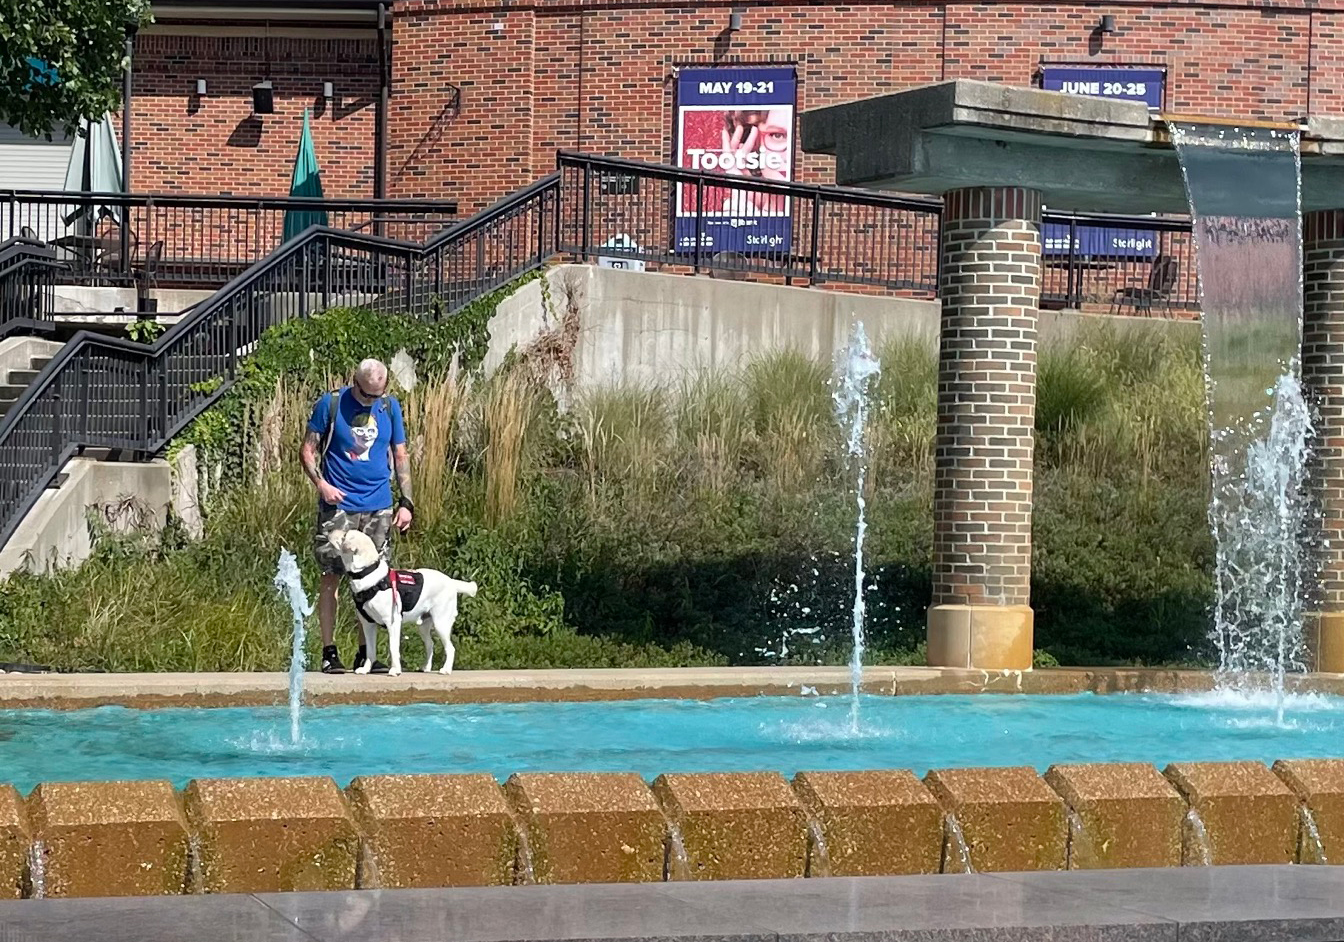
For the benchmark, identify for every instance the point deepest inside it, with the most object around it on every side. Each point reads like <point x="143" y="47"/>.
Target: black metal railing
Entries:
<point x="192" y="241"/>
<point x="29" y="272"/>
<point x="106" y="392"/>
<point x="672" y="219"/>
<point x="1134" y="264"/>
<point x="708" y="222"/>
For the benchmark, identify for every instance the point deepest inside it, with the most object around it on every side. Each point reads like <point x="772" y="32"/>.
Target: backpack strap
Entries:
<point x="333" y="404"/>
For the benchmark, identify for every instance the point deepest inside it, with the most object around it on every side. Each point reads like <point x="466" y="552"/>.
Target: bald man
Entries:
<point x="354" y="436"/>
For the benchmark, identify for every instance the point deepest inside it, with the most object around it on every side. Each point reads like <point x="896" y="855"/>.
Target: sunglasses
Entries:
<point x="364" y="393"/>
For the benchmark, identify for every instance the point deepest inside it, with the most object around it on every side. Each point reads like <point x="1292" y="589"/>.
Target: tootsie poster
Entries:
<point x="736" y="121"/>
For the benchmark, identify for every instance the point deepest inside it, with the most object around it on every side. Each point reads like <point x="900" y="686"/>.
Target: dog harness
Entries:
<point x="406" y="588"/>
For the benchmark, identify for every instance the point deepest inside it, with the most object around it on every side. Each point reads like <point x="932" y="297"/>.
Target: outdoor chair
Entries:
<point x="147" y="277"/>
<point x="1161" y="283"/>
<point x="26" y="232"/>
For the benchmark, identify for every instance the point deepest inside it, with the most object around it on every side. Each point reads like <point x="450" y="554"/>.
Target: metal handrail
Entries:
<point x="144" y="398"/>
<point x="200" y="201"/>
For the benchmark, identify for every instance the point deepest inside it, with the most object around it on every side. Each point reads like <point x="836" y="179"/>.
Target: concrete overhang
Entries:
<point x="267" y="11"/>
<point x="1084" y="154"/>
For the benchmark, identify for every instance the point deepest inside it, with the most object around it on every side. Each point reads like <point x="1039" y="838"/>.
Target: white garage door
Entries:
<point x="31" y="164"/>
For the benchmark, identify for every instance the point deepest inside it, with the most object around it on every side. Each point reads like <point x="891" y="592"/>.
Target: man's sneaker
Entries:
<point x="378" y="666"/>
<point x="331" y="661"/>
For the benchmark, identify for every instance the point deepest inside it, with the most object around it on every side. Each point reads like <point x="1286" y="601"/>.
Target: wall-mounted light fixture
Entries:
<point x="328" y="92"/>
<point x="263" y="101"/>
<point x="1107" y="24"/>
<point x="200" y="88"/>
<point x="734" y="20"/>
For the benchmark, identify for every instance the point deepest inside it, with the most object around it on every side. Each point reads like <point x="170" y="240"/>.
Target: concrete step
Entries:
<point x="22" y="377"/>
<point x="11" y="392"/>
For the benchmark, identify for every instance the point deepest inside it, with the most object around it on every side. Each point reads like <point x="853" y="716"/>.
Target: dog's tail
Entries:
<point x="467" y="588"/>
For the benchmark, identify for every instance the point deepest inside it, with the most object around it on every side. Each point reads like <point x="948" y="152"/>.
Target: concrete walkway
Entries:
<point x="69" y="691"/>
<point x="1189" y="904"/>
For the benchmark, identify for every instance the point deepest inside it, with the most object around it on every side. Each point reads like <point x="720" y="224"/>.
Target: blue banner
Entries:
<point x="736" y="121"/>
<point x="1129" y="84"/>
<point x="1098" y="242"/>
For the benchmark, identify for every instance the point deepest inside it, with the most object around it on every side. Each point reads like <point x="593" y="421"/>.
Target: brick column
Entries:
<point x="1323" y="376"/>
<point x="990" y="288"/>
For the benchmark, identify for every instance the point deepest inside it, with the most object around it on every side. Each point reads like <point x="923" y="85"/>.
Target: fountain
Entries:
<point x="1250" y="278"/>
<point x="851" y="406"/>
<point x="290" y="584"/>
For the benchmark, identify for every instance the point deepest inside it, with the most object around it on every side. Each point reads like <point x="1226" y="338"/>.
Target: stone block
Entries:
<point x="985" y="637"/>
<point x="732" y="826"/>
<point x="266" y="835"/>
<point x="1242" y="813"/>
<point x="871" y="823"/>
<point x="15" y="841"/>
<point x="1325" y="641"/>
<point x="597" y="827"/>
<point x="1120" y="815"/>
<point x="1319" y="786"/>
<point x="108" y="839"/>
<point x="433" y="831"/>
<point x="1009" y="820"/>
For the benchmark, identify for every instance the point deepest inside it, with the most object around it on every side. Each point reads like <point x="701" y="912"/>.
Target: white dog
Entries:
<point x="388" y="597"/>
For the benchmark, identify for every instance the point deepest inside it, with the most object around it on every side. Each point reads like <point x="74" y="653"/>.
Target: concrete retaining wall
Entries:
<point x="646" y="328"/>
<point x="55" y="534"/>
<point x="403" y="831"/>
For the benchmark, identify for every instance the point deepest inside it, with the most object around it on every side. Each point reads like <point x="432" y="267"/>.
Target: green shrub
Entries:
<point x="709" y="524"/>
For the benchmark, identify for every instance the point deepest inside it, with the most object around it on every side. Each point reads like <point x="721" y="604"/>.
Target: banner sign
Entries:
<point x="1128" y="84"/>
<point x="736" y="121"/>
<point x="1143" y="85"/>
<point x="1098" y="242"/>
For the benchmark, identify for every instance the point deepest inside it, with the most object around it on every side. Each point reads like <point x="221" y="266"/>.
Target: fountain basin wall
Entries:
<point x="305" y="833"/>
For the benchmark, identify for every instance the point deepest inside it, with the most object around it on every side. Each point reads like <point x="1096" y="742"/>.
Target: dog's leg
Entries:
<point x="444" y="617"/>
<point x="429" y="643"/>
<point x="394" y="642"/>
<point x="370" y="643"/>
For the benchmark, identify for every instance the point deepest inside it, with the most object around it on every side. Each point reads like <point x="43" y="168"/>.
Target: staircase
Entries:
<point x="16" y="381"/>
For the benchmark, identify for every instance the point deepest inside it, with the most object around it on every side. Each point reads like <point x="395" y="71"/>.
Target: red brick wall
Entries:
<point x="599" y="79"/>
<point x="215" y="145"/>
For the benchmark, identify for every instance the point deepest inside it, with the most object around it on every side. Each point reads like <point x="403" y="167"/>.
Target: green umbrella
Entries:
<point x="94" y="166"/>
<point x="307" y="181"/>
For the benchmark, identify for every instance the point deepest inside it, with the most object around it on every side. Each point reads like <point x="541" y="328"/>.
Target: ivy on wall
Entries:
<point x="320" y="352"/>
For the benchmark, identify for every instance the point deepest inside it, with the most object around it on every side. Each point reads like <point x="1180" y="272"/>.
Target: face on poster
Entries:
<point x="739" y="122"/>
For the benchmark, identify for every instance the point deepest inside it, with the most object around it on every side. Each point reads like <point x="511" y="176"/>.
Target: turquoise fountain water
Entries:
<point x="782" y="733"/>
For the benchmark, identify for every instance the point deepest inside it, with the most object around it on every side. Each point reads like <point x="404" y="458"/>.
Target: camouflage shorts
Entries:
<point x="376" y="524"/>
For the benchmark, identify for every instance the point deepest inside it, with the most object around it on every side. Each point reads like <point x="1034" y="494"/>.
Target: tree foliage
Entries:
<point x="62" y="60"/>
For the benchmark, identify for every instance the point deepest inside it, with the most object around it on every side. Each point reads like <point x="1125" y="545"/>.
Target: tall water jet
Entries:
<point x="851" y="406"/>
<point x="1244" y="189"/>
<point x="290" y="584"/>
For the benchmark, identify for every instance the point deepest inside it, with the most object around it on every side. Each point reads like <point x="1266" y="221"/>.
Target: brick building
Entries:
<point x="481" y="96"/>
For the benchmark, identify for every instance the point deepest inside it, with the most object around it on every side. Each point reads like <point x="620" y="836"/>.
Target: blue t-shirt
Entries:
<point x="359" y="461"/>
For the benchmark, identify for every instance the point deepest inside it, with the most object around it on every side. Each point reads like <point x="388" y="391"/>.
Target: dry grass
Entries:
<point x="508" y="413"/>
<point x="434" y="413"/>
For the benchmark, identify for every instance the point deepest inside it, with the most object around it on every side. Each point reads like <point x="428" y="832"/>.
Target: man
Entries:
<point x="354" y="435"/>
